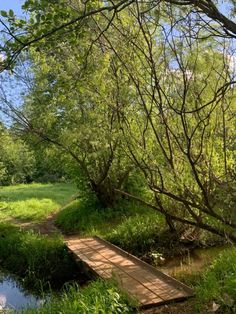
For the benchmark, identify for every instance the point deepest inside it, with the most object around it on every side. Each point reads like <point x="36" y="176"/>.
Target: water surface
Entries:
<point x="13" y="296"/>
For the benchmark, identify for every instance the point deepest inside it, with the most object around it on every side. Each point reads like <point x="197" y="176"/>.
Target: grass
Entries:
<point x="218" y="283"/>
<point x="33" y="202"/>
<point x="39" y="260"/>
<point x="99" y="297"/>
<point x="137" y="234"/>
<point x="88" y="218"/>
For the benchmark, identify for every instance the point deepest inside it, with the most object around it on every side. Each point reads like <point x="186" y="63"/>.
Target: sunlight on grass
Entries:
<point x="33" y="202"/>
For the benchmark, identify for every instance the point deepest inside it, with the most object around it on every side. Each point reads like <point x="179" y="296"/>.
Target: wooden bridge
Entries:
<point x="147" y="284"/>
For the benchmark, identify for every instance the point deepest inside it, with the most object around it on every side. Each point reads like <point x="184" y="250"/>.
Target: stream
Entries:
<point x="195" y="261"/>
<point x="13" y="296"/>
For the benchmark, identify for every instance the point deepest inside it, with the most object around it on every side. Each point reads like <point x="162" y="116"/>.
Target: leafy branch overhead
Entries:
<point x="48" y="19"/>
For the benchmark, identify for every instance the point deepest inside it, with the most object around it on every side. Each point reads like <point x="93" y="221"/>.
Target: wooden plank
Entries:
<point x="132" y="267"/>
<point x="149" y="281"/>
<point x="142" y="281"/>
<point x="149" y="267"/>
<point x="136" y="288"/>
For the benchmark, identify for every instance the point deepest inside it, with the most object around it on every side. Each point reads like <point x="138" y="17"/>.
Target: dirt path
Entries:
<point x="45" y="227"/>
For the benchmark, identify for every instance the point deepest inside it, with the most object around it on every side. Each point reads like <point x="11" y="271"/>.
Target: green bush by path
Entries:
<point x="33" y="202"/>
<point x="39" y="260"/>
<point x="99" y="297"/>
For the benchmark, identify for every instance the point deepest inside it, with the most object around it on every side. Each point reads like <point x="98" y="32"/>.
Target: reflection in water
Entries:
<point x="3" y="301"/>
<point x="13" y="296"/>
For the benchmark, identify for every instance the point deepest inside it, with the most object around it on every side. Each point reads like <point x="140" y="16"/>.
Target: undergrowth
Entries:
<point x="137" y="234"/>
<point x="88" y="218"/>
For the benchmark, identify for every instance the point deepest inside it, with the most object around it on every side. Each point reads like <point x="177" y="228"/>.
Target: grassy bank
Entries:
<point x="98" y="297"/>
<point x="33" y="202"/>
<point x="38" y="260"/>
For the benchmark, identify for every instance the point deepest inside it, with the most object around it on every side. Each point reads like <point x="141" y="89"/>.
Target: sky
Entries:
<point x="15" y="5"/>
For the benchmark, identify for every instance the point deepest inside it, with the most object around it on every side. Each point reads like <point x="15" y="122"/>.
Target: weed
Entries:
<point x="89" y="218"/>
<point x="218" y="283"/>
<point x="137" y="234"/>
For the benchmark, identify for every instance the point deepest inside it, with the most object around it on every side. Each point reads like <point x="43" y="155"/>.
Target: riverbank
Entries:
<point x="43" y="263"/>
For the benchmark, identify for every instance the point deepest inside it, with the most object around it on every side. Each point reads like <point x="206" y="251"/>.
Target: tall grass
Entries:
<point x="99" y="297"/>
<point x="218" y="283"/>
<point x="137" y="234"/>
<point x="89" y="218"/>
<point x="39" y="260"/>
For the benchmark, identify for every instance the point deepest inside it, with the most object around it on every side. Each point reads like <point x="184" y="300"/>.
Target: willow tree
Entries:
<point x="72" y="103"/>
<point x="180" y="130"/>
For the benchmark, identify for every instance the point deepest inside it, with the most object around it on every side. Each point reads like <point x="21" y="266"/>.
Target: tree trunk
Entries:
<point x="105" y="194"/>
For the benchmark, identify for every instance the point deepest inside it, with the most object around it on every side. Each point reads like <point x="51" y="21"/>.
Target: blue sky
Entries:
<point x="15" y="5"/>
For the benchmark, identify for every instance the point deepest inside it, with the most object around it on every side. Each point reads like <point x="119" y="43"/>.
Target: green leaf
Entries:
<point x="3" y="13"/>
<point x="11" y="13"/>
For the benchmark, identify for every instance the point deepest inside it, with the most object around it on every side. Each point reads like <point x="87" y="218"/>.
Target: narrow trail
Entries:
<point x="46" y="226"/>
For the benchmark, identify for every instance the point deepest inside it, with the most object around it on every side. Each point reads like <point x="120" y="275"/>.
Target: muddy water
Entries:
<point x="196" y="261"/>
<point x="13" y="296"/>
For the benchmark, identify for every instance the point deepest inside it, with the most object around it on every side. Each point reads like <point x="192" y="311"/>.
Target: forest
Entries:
<point x="118" y="119"/>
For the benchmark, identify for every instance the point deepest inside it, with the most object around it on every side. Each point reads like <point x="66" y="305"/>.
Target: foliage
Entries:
<point x="86" y="217"/>
<point x="89" y="218"/>
<point x="97" y="298"/>
<point x="41" y="261"/>
<point x="33" y="202"/>
<point x="17" y="161"/>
